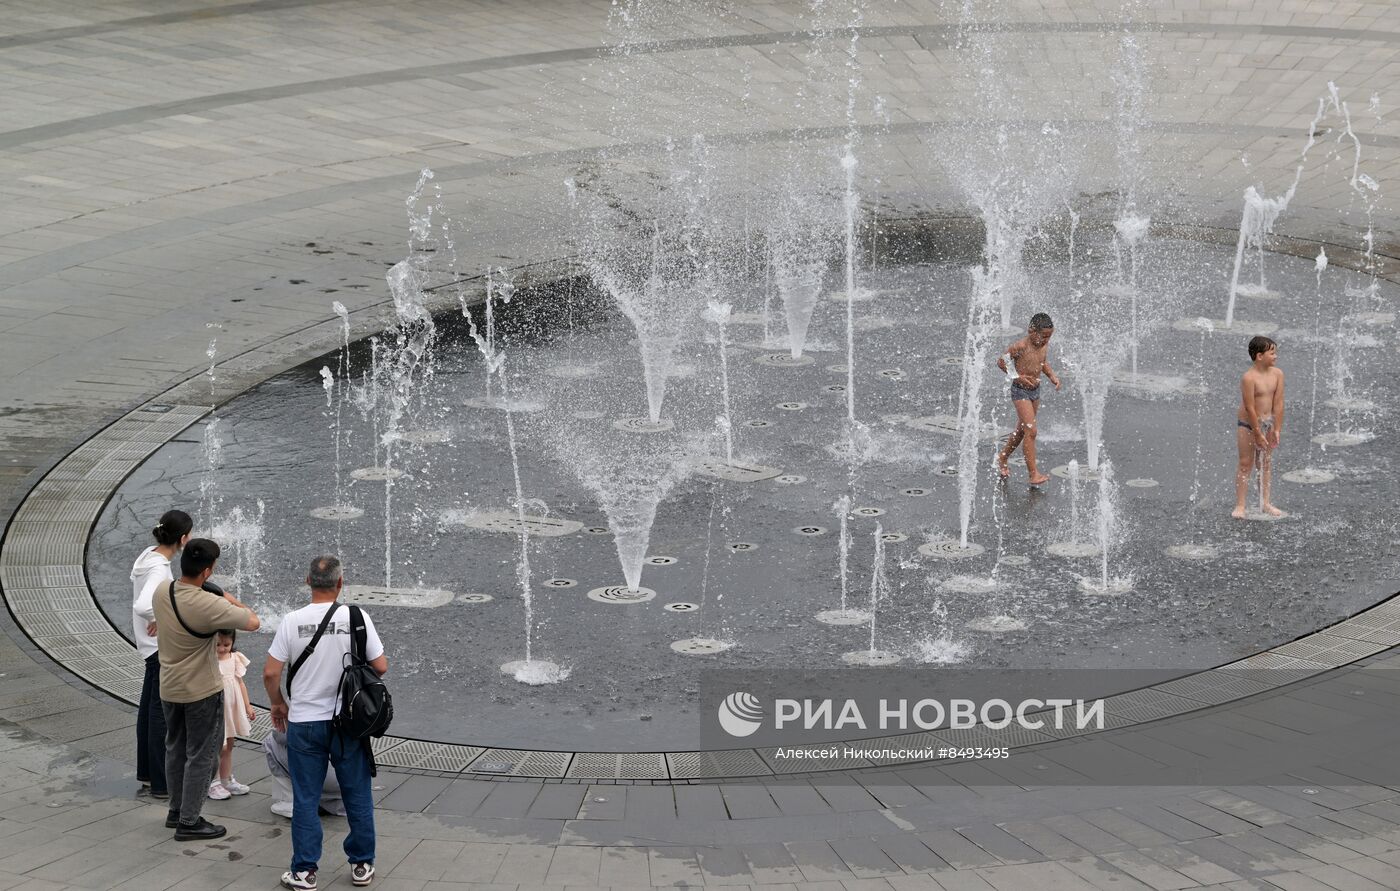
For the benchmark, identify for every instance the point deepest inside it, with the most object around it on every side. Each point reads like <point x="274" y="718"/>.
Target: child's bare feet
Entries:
<point x="1273" y="511"/>
<point x="1039" y="479"/>
<point x="1238" y="512"/>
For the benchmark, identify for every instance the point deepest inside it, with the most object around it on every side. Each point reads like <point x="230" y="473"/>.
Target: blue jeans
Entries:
<point x="311" y="745"/>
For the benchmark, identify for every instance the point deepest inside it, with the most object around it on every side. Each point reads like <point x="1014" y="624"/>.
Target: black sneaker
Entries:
<point x="160" y="796"/>
<point x="172" y="818"/>
<point x="200" y="831"/>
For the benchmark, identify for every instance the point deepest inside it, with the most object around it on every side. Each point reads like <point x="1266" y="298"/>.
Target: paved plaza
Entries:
<point x="180" y="170"/>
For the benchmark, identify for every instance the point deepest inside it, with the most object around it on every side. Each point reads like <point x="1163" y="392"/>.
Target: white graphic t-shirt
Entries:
<point x="313" y="696"/>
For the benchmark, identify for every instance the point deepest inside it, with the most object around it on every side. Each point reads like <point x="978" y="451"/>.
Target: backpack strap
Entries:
<point x="359" y="636"/>
<point x="311" y="646"/>
<point x="181" y="619"/>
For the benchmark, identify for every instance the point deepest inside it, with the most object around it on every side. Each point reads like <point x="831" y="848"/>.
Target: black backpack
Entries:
<point x="365" y="707"/>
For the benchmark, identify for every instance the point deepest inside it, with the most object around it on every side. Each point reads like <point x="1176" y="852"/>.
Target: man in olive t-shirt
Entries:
<point x="191" y="690"/>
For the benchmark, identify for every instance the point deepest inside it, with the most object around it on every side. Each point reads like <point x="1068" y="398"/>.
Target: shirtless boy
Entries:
<point x="1259" y="423"/>
<point x="1028" y="354"/>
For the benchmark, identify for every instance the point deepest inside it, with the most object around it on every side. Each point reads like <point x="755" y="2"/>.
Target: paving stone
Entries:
<point x="1101" y="874"/>
<point x="818" y="862"/>
<point x="910" y="854"/>
<point x="1291" y="836"/>
<point x="1032" y="877"/>
<point x="1148" y="871"/>
<point x="674" y="866"/>
<point x="460" y="797"/>
<point x="771" y="864"/>
<point x="956" y="850"/>
<point x="724" y="866"/>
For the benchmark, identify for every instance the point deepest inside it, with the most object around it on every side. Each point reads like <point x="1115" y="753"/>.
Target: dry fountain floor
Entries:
<point x="174" y="166"/>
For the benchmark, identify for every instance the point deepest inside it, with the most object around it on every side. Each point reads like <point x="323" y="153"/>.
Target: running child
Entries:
<point x="1258" y="424"/>
<point x="238" y="714"/>
<point x="1028" y="354"/>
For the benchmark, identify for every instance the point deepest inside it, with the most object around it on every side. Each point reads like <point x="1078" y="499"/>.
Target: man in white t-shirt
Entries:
<point x="305" y="714"/>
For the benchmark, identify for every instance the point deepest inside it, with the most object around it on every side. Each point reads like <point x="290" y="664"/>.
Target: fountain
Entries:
<point x="681" y="240"/>
<point x="879" y="590"/>
<point x="1108" y="522"/>
<point x="845" y="615"/>
<point x="718" y="314"/>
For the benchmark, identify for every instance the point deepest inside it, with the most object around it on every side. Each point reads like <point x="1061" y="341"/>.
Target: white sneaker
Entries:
<point x="361" y="874"/>
<point x="217" y="791"/>
<point x="234" y="787"/>
<point x="300" y="881"/>
<point x="282" y="809"/>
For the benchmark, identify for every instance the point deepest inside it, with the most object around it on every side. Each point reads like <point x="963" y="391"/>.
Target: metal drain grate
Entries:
<point x="699" y="646"/>
<point x="521" y="763"/>
<point x="916" y="492"/>
<point x="783" y="360"/>
<point x="1085" y="474"/>
<point x="418" y="598"/>
<point x="37" y="600"/>
<point x="1309" y="476"/>
<point x="792" y="406"/>
<point x="70" y="576"/>
<point x="660" y="560"/>
<point x="867" y="512"/>
<point x="337" y="512"/>
<point x="376" y="474"/>
<point x="894" y="537"/>
<point x="789" y="479"/>
<point x="950" y="549"/>
<point x="809" y="530"/>
<point x="643" y="425"/>
<point x="742" y="547"/>
<point x="621" y="766"/>
<point x="997" y="625"/>
<point x="681" y="606"/>
<point x="1073" y="549"/>
<point x="559" y="583"/>
<point x="1193" y="552"/>
<point x="474" y="598"/>
<point x="621" y="594"/>
<point x="1141" y="483"/>
<point x="728" y="763"/>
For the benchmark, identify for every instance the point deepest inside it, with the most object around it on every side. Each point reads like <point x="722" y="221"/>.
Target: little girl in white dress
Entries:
<point x="238" y="714"/>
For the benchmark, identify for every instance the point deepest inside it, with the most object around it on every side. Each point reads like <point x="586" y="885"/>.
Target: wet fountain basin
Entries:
<point x="749" y="582"/>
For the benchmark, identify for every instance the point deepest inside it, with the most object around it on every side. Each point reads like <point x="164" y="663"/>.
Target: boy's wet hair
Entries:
<point x="1259" y="344"/>
<point x="231" y="635"/>
<point x="1041" y="322"/>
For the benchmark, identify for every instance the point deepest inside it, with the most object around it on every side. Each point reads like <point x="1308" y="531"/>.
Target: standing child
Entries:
<point x="238" y="714"/>
<point x="1259" y="424"/>
<point x="1028" y="354"/>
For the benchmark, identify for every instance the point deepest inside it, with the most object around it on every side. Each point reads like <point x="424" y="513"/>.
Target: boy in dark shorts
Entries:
<point x="1028" y="354"/>
<point x="1258" y="424"/>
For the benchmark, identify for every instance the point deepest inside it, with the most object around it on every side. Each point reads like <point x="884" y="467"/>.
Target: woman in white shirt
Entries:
<point x="149" y="574"/>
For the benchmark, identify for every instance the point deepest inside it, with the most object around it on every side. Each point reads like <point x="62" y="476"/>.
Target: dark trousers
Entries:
<point x="150" y="729"/>
<point x="194" y="734"/>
